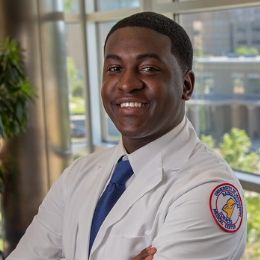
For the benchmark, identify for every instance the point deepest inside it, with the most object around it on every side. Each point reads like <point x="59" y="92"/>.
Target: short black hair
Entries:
<point x="181" y="46"/>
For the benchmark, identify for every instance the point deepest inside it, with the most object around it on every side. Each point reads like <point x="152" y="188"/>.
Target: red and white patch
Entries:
<point x="226" y="207"/>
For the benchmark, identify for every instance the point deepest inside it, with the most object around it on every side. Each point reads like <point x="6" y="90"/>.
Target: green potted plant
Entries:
<point x="15" y="93"/>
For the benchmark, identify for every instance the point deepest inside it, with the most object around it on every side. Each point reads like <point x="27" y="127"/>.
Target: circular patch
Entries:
<point x="226" y="207"/>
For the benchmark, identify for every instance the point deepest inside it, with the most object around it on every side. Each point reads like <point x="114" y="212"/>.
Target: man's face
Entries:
<point x="143" y="85"/>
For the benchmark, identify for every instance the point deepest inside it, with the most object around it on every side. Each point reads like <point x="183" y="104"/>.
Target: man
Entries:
<point x="181" y="200"/>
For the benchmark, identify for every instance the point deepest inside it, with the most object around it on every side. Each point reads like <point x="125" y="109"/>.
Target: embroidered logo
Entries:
<point x="226" y="207"/>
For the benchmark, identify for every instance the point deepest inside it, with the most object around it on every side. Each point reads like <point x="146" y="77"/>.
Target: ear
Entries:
<point x="188" y="85"/>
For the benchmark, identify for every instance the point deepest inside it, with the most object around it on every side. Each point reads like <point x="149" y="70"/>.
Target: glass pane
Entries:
<point x="105" y="5"/>
<point x="109" y="131"/>
<point x="164" y="1"/>
<point x="253" y="244"/>
<point x="75" y="72"/>
<point x="71" y="6"/>
<point x="226" y="103"/>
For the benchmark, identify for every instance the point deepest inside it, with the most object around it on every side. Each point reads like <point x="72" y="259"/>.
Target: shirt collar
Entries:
<point x="149" y="151"/>
<point x="177" y="145"/>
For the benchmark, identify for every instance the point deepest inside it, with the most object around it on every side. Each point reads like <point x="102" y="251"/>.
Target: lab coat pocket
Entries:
<point x="126" y="247"/>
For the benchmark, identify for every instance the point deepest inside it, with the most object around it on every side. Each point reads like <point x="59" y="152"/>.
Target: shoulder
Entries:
<point x="207" y="184"/>
<point x="84" y="167"/>
<point x="92" y="159"/>
<point x="207" y="165"/>
<point x="212" y="189"/>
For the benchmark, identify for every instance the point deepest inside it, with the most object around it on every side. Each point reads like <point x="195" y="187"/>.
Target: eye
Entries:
<point x="114" y="68"/>
<point x="149" y="69"/>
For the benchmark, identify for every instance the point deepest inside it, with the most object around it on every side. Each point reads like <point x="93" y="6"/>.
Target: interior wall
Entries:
<point x="2" y="19"/>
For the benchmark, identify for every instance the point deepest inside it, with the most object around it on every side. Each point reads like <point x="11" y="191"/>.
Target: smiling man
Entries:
<point x="160" y="193"/>
<point x="144" y="87"/>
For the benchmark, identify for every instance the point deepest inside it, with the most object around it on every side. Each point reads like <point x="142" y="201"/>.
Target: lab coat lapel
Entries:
<point x="141" y="184"/>
<point x="91" y="196"/>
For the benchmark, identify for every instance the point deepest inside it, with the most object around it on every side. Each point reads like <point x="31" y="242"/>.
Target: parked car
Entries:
<point x="77" y="126"/>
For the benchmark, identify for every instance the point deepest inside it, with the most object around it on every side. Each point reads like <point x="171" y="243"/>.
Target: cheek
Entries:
<point x="105" y="95"/>
<point x="108" y="84"/>
<point x="162" y="90"/>
<point x="106" y="87"/>
<point x="176" y="89"/>
<point x="102" y="92"/>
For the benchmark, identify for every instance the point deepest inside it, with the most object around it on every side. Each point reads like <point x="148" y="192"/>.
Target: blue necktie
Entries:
<point x="112" y="193"/>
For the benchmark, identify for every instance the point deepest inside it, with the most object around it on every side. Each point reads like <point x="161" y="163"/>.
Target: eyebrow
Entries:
<point x="149" y="56"/>
<point x="139" y="56"/>
<point x="112" y="57"/>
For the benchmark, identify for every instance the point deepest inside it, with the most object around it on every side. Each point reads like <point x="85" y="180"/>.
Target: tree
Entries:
<point x="68" y="5"/>
<point x="253" y="226"/>
<point x="74" y="79"/>
<point x="76" y="97"/>
<point x="209" y="140"/>
<point x="245" y="51"/>
<point x="236" y="147"/>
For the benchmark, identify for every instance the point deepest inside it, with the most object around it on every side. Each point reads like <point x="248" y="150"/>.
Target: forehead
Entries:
<point x="138" y="38"/>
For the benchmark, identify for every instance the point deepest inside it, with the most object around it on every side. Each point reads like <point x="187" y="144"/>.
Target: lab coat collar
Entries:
<point x="175" y="146"/>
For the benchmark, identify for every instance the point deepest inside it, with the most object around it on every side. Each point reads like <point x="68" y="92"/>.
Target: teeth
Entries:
<point x="131" y="104"/>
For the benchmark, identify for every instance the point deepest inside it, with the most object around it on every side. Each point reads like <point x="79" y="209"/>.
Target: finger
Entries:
<point x="151" y="250"/>
<point x="143" y="254"/>
<point x="150" y="257"/>
<point x="146" y="254"/>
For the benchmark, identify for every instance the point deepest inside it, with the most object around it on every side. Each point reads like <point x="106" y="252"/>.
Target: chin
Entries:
<point x="129" y="132"/>
<point x="129" y="128"/>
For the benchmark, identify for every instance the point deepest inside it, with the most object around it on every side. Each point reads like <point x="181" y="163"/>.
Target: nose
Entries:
<point x="130" y="81"/>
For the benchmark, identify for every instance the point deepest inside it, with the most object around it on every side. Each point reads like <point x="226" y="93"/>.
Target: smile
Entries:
<point x="131" y="104"/>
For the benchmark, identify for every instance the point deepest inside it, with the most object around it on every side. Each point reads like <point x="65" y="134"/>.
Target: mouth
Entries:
<point x="132" y="107"/>
<point x="131" y="104"/>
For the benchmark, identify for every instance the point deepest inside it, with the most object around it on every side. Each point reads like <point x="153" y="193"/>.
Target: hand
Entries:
<point x="146" y="254"/>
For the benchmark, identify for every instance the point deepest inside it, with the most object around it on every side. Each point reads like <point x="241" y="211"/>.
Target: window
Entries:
<point x="104" y="5"/>
<point x="223" y="92"/>
<point x="71" y="6"/>
<point x="76" y="84"/>
<point x="225" y="108"/>
<point x="253" y="81"/>
<point x="109" y="131"/>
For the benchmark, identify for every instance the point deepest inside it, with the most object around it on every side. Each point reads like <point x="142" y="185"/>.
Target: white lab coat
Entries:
<point x="166" y="206"/>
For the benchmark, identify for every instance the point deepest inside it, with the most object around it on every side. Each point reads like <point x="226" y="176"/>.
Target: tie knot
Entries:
<point x="122" y="172"/>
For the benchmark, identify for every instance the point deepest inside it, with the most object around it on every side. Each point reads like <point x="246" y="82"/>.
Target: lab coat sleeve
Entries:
<point x="189" y="231"/>
<point x="43" y="238"/>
